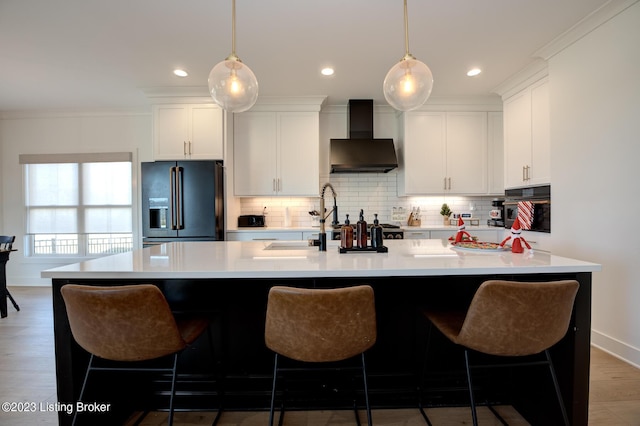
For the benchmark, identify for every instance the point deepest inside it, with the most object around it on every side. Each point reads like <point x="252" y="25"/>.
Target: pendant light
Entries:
<point x="408" y="84"/>
<point x="232" y="84"/>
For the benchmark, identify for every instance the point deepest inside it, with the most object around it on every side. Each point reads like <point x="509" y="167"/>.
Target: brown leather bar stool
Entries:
<point x="128" y="323"/>
<point x="510" y="319"/>
<point x="320" y="326"/>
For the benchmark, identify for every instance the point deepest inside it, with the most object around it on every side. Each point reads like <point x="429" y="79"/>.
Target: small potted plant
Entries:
<point x="445" y="211"/>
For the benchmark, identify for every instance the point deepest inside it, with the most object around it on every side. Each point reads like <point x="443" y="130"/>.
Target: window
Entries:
<point x="78" y="204"/>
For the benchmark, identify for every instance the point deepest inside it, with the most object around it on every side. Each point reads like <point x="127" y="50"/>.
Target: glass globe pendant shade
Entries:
<point x="233" y="85"/>
<point x="408" y="84"/>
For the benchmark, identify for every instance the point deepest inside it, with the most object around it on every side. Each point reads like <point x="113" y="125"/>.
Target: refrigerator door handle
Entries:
<point x="172" y="187"/>
<point x="180" y="200"/>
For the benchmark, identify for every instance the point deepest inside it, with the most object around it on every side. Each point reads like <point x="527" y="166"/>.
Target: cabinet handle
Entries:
<point x="279" y="185"/>
<point x="449" y="183"/>
<point x="184" y="148"/>
<point x="528" y="172"/>
<point x="189" y="148"/>
<point x="273" y="185"/>
<point x="445" y="183"/>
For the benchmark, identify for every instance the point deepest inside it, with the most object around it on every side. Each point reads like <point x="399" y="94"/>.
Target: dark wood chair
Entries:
<point x="510" y="319"/>
<point x="128" y="323"/>
<point x="320" y="326"/>
<point x="6" y="246"/>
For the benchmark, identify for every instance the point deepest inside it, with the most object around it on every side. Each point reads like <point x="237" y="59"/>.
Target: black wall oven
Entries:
<point x="539" y="196"/>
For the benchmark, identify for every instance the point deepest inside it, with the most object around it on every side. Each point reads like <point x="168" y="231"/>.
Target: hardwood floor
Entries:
<point x="28" y="375"/>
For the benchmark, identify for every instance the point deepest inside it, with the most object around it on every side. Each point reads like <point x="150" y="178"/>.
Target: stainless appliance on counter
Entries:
<point x="182" y="201"/>
<point x="251" y="221"/>
<point x="389" y="232"/>
<point x="496" y="215"/>
<point x="539" y="197"/>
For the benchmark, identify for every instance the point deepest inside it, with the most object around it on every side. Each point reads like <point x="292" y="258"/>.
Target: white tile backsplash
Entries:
<point x="372" y="192"/>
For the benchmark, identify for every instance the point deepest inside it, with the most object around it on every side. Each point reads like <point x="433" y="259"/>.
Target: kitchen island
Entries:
<point x="230" y="281"/>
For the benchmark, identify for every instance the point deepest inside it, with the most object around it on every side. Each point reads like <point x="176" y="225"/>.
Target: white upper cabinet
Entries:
<point x="276" y="153"/>
<point x="496" y="153"/>
<point x="187" y="131"/>
<point x="527" y="137"/>
<point x="443" y="153"/>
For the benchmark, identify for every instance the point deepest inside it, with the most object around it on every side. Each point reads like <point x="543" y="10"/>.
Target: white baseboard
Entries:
<point x="616" y="348"/>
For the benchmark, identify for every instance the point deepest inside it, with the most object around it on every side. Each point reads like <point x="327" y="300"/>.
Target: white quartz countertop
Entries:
<point x="453" y="229"/>
<point x="293" y="259"/>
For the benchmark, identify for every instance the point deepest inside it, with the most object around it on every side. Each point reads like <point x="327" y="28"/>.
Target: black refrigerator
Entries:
<point x="182" y="201"/>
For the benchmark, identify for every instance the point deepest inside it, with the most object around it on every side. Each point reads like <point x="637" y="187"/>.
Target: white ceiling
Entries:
<point x="102" y="53"/>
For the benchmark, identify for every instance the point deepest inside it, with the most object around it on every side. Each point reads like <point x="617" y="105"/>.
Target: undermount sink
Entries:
<point x="290" y="245"/>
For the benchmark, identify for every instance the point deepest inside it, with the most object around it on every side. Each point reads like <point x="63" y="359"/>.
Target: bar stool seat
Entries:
<point x="129" y="323"/>
<point x="320" y="326"/>
<point x="510" y="319"/>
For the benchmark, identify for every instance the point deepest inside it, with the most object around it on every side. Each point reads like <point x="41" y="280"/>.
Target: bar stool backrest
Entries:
<point x="320" y="325"/>
<point x="515" y="318"/>
<point x="6" y="242"/>
<point x="123" y="323"/>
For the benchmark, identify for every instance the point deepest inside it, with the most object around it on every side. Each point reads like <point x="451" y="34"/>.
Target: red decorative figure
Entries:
<point x="461" y="231"/>
<point x="516" y="244"/>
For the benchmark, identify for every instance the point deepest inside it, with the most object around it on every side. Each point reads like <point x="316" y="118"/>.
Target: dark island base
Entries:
<point x="237" y="308"/>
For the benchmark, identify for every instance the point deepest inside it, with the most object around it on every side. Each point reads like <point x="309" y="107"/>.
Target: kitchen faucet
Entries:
<point x="334" y="210"/>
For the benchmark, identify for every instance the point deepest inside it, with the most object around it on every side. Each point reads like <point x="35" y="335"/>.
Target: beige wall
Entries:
<point x="595" y="147"/>
<point x="49" y="133"/>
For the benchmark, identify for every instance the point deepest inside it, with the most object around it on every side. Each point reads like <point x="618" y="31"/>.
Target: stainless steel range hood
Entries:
<point x="361" y="153"/>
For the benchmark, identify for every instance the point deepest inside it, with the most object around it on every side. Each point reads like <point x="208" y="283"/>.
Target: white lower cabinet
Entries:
<point x="264" y="235"/>
<point x="488" y="235"/>
<point x="313" y="235"/>
<point x="421" y="234"/>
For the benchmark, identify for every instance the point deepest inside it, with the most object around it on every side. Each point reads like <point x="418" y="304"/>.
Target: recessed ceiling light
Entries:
<point x="327" y="71"/>
<point x="473" y="72"/>
<point x="180" y="73"/>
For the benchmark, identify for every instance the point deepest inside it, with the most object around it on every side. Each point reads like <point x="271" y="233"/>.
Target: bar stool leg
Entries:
<point x="15" y="305"/>
<point x="421" y="384"/>
<point x="366" y="391"/>
<point x="557" y="387"/>
<point x="473" y="402"/>
<point x="273" y="389"/>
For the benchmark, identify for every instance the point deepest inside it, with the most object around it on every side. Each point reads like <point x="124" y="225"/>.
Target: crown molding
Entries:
<point x="591" y="22"/>
<point x="537" y="70"/>
<point x="70" y="113"/>
<point x="200" y="94"/>
<point x="289" y="103"/>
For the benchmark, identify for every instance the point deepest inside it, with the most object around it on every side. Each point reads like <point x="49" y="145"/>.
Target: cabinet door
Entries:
<point x="299" y="157"/>
<point x="424" y="153"/>
<point x="540" y="172"/>
<point x="517" y="138"/>
<point x="264" y="236"/>
<point x="254" y="153"/>
<point x="170" y="132"/>
<point x="444" y="235"/>
<point x="206" y="141"/>
<point x="186" y="131"/>
<point x="496" y="153"/>
<point x="467" y="152"/>
<point x="417" y="235"/>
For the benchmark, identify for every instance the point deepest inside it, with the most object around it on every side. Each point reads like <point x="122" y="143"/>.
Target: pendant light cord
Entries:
<point x="406" y="30"/>
<point x="233" y="27"/>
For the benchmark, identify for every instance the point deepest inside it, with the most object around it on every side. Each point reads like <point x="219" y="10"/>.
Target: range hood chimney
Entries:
<point x="361" y="153"/>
